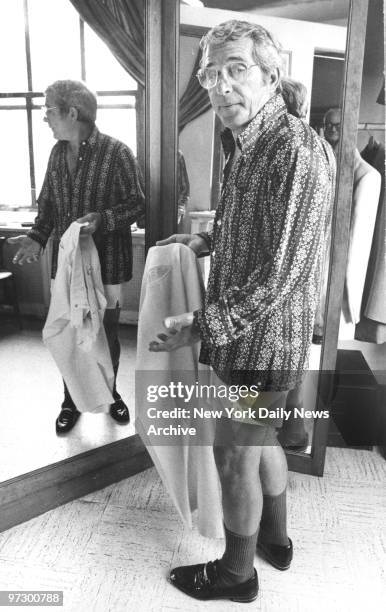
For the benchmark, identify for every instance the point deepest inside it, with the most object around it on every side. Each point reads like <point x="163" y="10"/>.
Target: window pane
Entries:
<point x="55" y="42"/>
<point x="43" y="143"/>
<point x="13" y="66"/>
<point x="119" y="123"/>
<point x="15" y="187"/>
<point x="103" y="71"/>
<point x="116" y="100"/>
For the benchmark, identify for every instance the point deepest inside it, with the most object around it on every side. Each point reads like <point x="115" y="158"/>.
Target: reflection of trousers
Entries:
<point x="111" y="325"/>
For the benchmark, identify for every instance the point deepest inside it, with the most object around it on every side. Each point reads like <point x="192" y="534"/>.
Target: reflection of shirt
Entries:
<point x="266" y="250"/>
<point x="106" y="180"/>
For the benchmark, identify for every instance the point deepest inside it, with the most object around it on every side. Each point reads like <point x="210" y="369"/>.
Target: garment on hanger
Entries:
<point x="172" y="284"/>
<point x="74" y="332"/>
<point x="372" y="326"/>
<point x="366" y="189"/>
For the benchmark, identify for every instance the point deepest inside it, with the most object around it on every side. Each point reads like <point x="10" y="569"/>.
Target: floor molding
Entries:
<point x="32" y="494"/>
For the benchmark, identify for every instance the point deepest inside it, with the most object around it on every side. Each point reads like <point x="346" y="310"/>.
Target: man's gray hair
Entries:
<point x="295" y="97"/>
<point x="336" y="109"/>
<point x="266" y="49"/>
<point x="67" y="94"/>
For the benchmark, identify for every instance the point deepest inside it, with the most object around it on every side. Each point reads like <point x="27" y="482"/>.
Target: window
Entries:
<point x="45" y="40"/>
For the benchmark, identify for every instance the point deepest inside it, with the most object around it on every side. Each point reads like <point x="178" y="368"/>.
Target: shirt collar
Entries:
<point x="92" y="139"/>
<point x="266" y="116"/>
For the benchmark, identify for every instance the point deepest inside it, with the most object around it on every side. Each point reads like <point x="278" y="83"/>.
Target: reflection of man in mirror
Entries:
<point x="295" y="97"/>
<point x="366" y="189"/>
<point x="256" y="323"/>
<point x="293" y="434"/>
<point x="93" y="179"/>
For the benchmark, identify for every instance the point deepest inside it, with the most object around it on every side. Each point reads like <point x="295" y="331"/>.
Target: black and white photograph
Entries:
<point x="192" y="305"/>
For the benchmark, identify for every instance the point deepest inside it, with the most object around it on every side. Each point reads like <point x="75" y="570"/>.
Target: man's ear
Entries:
<point x="274" y="78"/>
<point x="73" y="113"/>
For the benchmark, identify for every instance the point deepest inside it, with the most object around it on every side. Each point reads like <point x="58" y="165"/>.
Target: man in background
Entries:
<point x="94" y="179"/>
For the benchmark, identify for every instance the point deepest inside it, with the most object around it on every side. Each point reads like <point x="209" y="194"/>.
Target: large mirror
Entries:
<point x="106" y="51"/>
<point x="40" y="470"/>
<point x="314" y="45"/>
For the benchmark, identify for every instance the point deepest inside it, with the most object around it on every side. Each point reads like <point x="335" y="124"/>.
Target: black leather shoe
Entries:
<point x="278" y="556"/>
<point x="201" y="582"/>
<point x="66" y="420"/>
<point x="120" y="412"/>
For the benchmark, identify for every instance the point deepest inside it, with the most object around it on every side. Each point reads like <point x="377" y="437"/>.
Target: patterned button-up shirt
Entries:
<point x="107" y="180"/>
<point x="266" y="247"/>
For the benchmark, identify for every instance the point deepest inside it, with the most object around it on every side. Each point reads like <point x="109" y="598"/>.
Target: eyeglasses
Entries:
<point x="234" y="71"/>
<point x="46" y="109"/>
<point x="329" y="125"/>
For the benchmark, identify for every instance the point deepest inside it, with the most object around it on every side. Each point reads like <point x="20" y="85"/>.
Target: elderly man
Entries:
<point x="256" y="323"/>
<point x="93" y="179"/>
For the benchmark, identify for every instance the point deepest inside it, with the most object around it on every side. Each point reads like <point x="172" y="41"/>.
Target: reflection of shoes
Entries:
<point x="278" y="556"/>
<point x="120" y="412"/>
<point x="297" y="443"/>
<point x="202" y="582"/>
<point x="66" y="420"/>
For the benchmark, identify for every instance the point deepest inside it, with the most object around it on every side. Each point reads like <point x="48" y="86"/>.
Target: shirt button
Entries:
<point x="214" y="253"/>
<point x="80" y="158"/>
<point x="219" y="222"/>
<point x="68" y="214"/>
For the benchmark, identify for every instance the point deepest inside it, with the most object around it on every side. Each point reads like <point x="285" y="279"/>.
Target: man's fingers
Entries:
<point x="158" y="347"/>
<point x="163" y="337"/>
<point x="172" y="324"/>
<point x="15" y="239"/>
<point x="169" y="240"/>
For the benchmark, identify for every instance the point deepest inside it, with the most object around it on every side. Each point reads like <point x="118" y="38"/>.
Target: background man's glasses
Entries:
<point x="234" y="71"/>
<point x="330" y="125"/>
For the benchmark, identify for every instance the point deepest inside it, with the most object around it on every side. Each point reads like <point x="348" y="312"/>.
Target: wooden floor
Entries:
<point x="31" y="392"/>
<point x="112" y="550"/>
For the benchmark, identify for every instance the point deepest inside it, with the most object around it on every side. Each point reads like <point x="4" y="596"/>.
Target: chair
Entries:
<point x="8" y="283"/>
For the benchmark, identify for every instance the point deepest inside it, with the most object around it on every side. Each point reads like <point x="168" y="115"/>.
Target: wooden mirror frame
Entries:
<point x="312" y="463"/>
<point x="29" y="495"/>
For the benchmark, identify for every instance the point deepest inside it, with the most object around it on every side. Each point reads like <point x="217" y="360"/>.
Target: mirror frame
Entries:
<point x="34" y="493"/>
<point x="313" y="463"/>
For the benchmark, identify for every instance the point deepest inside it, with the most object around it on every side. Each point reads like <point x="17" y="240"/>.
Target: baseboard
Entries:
<point x="29" y="495"/>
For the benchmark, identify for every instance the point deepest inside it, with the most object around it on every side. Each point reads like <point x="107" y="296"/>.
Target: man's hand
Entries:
<point x="193" y="241"/>
<point x="93" y="221"/>
<point x="29" y="250"/>
<point x="181" y="333"/>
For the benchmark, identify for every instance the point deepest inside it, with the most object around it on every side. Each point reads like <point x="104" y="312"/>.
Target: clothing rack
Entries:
<point x="371" y="126"/>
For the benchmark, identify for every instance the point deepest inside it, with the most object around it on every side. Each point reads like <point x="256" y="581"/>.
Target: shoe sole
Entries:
<point x="236" y="598"/>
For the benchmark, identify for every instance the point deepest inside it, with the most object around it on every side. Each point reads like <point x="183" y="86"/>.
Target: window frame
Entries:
<point x="30" y="107"/>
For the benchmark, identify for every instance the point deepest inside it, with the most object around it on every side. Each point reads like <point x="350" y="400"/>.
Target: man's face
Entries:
<point x="60" y="124"/>
<point x="332" y="127"/>
<point x="237" y="103"/>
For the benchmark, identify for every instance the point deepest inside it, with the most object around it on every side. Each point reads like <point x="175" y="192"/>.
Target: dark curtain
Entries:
<point x="120" y="24"/>
<point x="381" y="97"/>
<point x="195" y="100"/>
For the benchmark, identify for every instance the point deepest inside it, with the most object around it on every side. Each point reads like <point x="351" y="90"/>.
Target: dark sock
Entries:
<point x="273" y="525"/>
<point x="67" y="402"/>
<point x="236" y="564"/>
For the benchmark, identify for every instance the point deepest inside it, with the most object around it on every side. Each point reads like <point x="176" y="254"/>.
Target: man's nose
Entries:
<point x="223" y="85"/>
